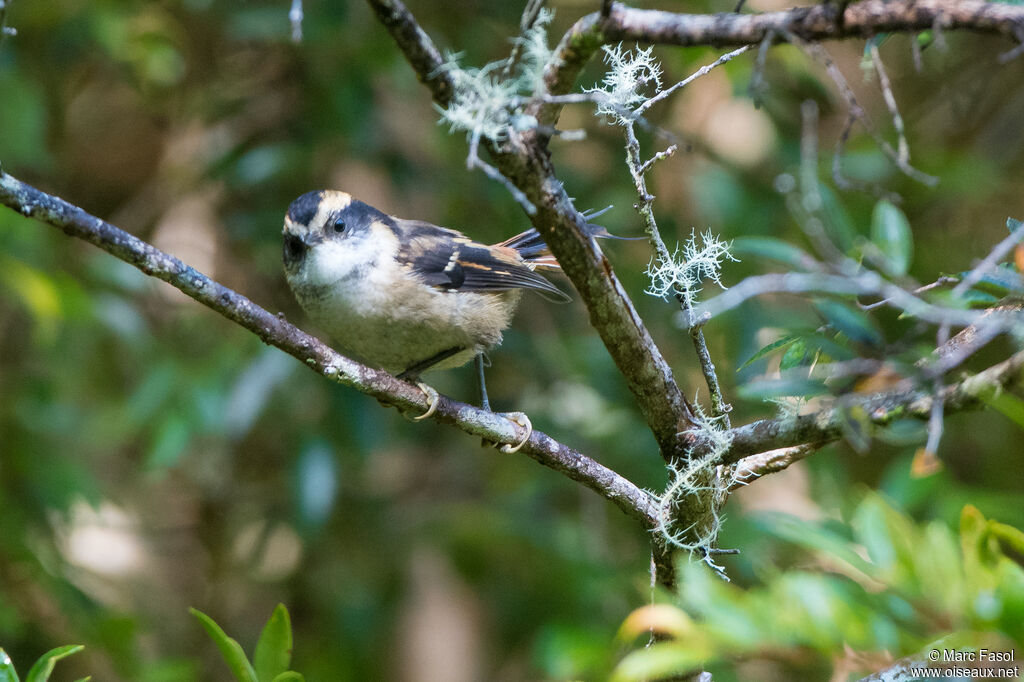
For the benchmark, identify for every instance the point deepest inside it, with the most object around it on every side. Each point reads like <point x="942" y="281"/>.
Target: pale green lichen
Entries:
<point x="689" y="267"/>
<point x="696" y="491"/>
<point x="484" y="100"/>
<point x="632" y="78"/>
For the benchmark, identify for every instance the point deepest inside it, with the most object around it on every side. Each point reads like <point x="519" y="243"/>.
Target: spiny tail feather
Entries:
<point x="532" y="247"/>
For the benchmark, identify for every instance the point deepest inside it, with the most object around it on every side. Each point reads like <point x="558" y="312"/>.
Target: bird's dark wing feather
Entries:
<point x="449" y="260"/>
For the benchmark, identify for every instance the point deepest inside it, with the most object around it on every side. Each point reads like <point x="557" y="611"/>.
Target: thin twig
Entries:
<point x="592" y="97"/>
<point x="903" y="153"/>
<point x="1010" y="55"/>
<point x="644" y="206"/>
<point x="938" y="34"/>
<point x="940" y="282"/>
<point x="843" y="182"/>
<point x="473" y="160"/>
<point x="753" y="467"/>
<point x="819" y="53"/>
<point x="808" y="208"/>
<point x="5" y="30"/>
<point x="530" y="13"/>
<point x="638" y="169"/>
<point x="758" y="85"/>
<point x="985" y="333"/>
<point x="915" y="54"/>
<point x="639" y="111"/>
<point x="828" y="425"/>
<point x="867" y="283"/>
<point x="295" y="16"/>
<point x="659" y="156"/>
<point x="809" y="190"/>
<point x="935" y="417"/>
<point x="967" y="341"/>
<point x="990" y="261"/>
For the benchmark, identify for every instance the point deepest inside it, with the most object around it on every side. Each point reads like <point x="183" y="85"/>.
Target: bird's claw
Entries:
<point x="521" y="419"/>
<point x="432" y="397"/>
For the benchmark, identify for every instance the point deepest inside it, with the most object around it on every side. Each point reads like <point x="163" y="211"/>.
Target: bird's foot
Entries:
<point x="521" y="419"/>
<point x="432" y="396"/>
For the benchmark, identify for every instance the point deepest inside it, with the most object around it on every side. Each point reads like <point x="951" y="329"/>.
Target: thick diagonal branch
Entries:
<point x="276" y="331"/>
<point x="416" y="45"/>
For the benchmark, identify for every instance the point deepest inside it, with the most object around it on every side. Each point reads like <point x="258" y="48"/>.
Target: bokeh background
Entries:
<point x="154" y="456"/>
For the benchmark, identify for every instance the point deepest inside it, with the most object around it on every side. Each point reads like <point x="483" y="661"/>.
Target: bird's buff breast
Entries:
<point x="389" y="320"/>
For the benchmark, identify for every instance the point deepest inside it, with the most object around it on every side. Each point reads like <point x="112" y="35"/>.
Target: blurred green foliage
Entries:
<point x="891" y="585"/>
<point x="154" y="457"/>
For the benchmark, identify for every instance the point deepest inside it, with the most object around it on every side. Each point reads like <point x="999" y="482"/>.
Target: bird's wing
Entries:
<point x="449" y="260"/>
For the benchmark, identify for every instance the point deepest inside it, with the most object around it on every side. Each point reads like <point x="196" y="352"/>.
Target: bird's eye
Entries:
<point x="339" y="225"/>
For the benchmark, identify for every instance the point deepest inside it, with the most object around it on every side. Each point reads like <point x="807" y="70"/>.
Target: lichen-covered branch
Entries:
<point x="276" y="331"/>
<point x="817" y="22"/>
<point x="880" y="409"/>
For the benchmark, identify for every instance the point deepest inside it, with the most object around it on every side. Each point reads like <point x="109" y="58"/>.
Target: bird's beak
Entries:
<point x="297" y="243"/>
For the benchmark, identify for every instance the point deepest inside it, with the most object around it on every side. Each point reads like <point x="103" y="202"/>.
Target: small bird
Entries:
<point x="404" y="295"/>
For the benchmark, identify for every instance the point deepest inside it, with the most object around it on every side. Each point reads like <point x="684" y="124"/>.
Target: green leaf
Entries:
<point x="229" y="649"/>
<point x="999" y="281"/>
<point x="773" y="249"/>
<point x="169" y="442"/>
<point x="885" y="534"/>
<point x="794" y="355"/>
<point x="40" y="671"/>
<point x="24" y="110"/>
<point x="838" y="223"/>
<point x="289" y="676"/>
<point x="7" y="672"/>
<point x="1007" y="535"/>
<point x="770" y="348"/>
<point x="36" y="291"/>
<point x="658" y="661"/>
<point x="274" y="649"/>
<point x="979" y="299"/>
<point x="890" y="232"/>
<point x="774" y="388"/>
<point x="815" y="538"/>
<point x="854" y="323"/>
<point x="1008" y="405"/>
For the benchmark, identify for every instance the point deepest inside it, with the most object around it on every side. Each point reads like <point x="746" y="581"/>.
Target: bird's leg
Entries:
<point x="413" y="371"/>
<point x="484" y="402"/>
<point x="519" y="418"/>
